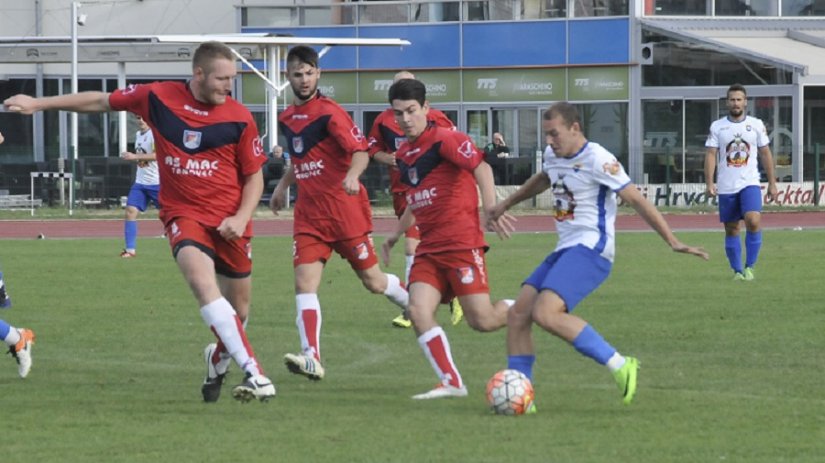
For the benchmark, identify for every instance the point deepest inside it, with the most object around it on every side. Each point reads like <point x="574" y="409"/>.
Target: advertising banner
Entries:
<point x="442" y="86"/>
<point x="598" y="83"/>
<point x="514" y="85"/>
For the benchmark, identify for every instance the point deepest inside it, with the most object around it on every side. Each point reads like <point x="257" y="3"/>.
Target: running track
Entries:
<point x="113" y="228"/>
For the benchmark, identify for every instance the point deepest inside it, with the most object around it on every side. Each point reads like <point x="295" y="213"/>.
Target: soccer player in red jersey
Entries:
<point x="442" y="167"/>
<point x="332" y="210"/>
<point x="209" y="157"/>
<point x="385" y="138"/>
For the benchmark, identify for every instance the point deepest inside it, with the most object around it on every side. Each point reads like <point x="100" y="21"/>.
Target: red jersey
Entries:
<point x="387" y="136"/>
<point x="321" y="139"/>
<point x="438" y="170"/>
<point x="203" y="151"/>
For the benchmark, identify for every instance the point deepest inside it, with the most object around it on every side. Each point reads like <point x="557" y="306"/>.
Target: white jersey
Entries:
<point x="736" y="159"/>
<point x="584" y="189"/>
<point x="147" y="171"/>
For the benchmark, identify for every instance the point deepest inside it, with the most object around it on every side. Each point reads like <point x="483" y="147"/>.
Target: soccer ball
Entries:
<point x="510" y="392"/>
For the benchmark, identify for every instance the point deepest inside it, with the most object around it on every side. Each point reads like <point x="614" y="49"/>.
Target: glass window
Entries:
<point x="16" y="129"/>
<point x="600" y="8"/>
<point x="269" y="16"/>
<point x="662" y="132"/>
<point x="606" y="124"/>
<point x="803" y="8"/>
<point x="540" y="9"/>
<point x="747" y="8"/>
<point x="676" y="7"/>
<point x="776" y="113"/>
<point x="477" y="127"/>
<point x="678" y="63"/>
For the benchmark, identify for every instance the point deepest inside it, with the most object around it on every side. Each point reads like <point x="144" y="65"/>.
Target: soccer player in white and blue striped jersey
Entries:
<point x="586" y="179"/>
<point x="732" y="146"/>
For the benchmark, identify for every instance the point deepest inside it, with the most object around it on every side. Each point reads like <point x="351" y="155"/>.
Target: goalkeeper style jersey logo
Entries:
<point x="737" y="151"/>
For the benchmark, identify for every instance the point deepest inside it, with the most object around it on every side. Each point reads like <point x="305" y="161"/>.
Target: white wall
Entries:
<point x="116" y="17"/>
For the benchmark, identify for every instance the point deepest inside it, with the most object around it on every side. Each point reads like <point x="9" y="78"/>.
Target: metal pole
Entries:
<point x="668" y="161"/>
<point x="73" y="117"/>
<point x="816" y="174"/>
<point x="31" y="198"/>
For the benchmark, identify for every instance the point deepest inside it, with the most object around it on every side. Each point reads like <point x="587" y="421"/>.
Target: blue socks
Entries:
<point x="4" y="329"/>
<point x="753" y="242"/>
<point x="733" y="249"/>
<point x="591" y="344"/>
<point x="130" y="233"/>
<point x="522" y="363"/>
<point x="588" y="343"/>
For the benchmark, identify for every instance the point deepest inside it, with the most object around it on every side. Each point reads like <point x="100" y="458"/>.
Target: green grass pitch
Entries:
<point x="731" y="372"/>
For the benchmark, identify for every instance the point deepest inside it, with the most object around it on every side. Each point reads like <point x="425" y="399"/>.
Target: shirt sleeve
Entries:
<point x="713" y="140"/>
<point x="376" y="141"/>
<point x="460" y="150"/>
<point x="134" y="98"/>
<point x="250" y="150"/>
<point x="762" y="139"/>
<point x="344" y="130"/>
<point x="608" y="171"/>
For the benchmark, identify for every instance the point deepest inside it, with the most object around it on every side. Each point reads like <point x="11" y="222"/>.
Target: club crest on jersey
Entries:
<point x="467" y="149"/>
<point x="356" y="133"/>
<point x="399" y="141"/>
<point x="257" y="147"/>
<point x="466" y="275"/>
<point x="192" y="139"/>
<point x="361" y="250"/>
<point x="612" y="168"/>
<point x="298" y="144"/>
<point x="173" y="231"/>
<point x="412" y="174"/>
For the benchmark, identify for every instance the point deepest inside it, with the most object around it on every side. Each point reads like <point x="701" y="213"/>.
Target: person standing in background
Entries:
<point x="146" y="187"/>
<point x="732" y="146"/>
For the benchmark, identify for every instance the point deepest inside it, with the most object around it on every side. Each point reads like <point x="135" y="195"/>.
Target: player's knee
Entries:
<point x="374" y="285"/>
<point x="490" y="321"/>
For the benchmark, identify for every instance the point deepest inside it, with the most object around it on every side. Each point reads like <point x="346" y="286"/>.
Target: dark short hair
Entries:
<point x="565" y="110"/>
<point x="737" y="88"/>
<point x="302" y="54"/>
<point x="408" y="89"/>
<point x="208" y="52"/>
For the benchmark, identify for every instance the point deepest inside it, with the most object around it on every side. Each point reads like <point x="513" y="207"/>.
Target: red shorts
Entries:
<point x="399" y="203"/>
<point x="232" y="259"/>
<point x="360" y="252"/>
<point x="452" y="273"/>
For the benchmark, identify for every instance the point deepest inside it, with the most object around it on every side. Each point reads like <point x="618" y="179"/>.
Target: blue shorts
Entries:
<point x="140" y="195"/>
<point x="572" y="273"/>
<point x="733" y="207"/>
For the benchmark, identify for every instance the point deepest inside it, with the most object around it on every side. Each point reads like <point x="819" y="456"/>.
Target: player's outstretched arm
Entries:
<point x="631" y="195"/>
<point x="83" y="102"/>
<point x="533" y="186"/>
